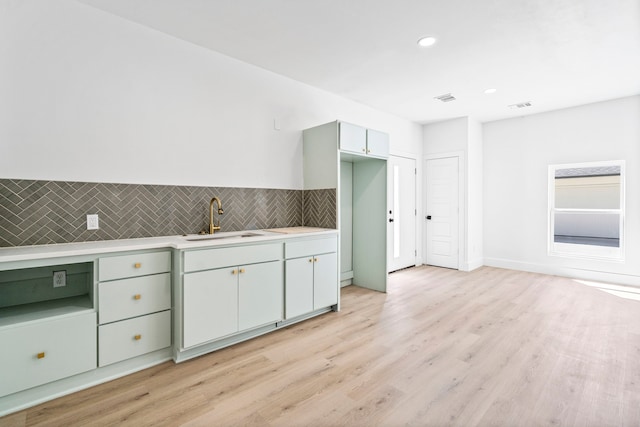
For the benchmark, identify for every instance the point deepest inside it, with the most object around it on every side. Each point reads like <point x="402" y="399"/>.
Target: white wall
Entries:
<point x="517" y="153"/>
<point x="88" y="96"/>
<point x="463" y="137"/>
<point x="446" y="136"/>
<point x="475" y="165"/>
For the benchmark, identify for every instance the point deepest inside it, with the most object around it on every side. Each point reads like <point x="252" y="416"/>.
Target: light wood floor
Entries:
<point x="492" y="347"/>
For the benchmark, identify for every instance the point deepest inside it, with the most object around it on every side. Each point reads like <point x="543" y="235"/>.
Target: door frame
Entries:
<point x="462" y="207"/>
<point x="415" y="159"/>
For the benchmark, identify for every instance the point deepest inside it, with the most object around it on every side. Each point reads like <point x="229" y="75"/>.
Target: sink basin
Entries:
<point x="224" y="235"/>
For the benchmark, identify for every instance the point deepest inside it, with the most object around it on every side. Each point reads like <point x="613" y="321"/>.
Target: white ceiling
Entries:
<point x="554" y="53"/>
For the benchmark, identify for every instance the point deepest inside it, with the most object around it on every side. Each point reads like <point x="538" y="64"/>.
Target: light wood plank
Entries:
<point x="491" y="347"/>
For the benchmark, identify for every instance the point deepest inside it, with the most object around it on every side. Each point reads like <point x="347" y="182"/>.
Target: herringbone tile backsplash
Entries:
<point x="43" y="212"/>
<point x="319" y="208"/>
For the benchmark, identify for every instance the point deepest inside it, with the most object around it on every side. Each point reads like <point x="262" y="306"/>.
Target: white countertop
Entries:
<point x="25" y="253"/>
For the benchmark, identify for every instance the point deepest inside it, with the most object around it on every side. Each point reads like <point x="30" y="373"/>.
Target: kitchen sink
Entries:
<point x="224" y="235"/>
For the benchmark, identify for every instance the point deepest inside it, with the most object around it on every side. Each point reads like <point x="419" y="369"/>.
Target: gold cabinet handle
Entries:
<point x="310" y="259"/>
<point x="137" y="337"/>
<point x="137" y="296"/>
<point x="368" y="151"/>
<point x="40" y="355"/>
<point x="234" y="271"/>
<point x="363" y="150"/>
<point x="137" y="265"/>
<point x="242" y="270"/>
<point x="315" y="260"/>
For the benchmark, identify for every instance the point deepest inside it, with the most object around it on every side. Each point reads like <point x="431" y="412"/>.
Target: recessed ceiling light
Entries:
<point x="426" y="41"/>
<point x="490" y="91"/>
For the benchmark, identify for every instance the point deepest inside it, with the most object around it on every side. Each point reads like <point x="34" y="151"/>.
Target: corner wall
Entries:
<point x="517" y="153"/>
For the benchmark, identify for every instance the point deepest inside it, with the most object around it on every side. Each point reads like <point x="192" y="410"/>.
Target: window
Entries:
<point x="586" y="210"/>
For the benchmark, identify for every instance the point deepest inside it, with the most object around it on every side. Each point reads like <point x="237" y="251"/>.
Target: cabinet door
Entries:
<point x="210" y="305"/>
<point x="377" y="144"/>
<point x="260" y="294"/>
<point x="353" y="138"/>
<point x="299" y="286"/>
<point x="325" y="280"/>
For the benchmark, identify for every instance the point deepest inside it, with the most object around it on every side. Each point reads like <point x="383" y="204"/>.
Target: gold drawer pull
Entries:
<point x="234" y="271"/>
<point x="242" y="270"/>
<point x="137" y="296"/>
<point x="40" y="355"/>
<point x="315" y="260"/>
<point x="310" y="259"/>
<point x="137" y="337"/>
<point x="137" y="265"/>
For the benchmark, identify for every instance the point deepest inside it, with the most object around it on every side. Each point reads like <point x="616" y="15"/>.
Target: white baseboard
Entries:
<point x="576" y="273"/>
<point x="472" y="265"/>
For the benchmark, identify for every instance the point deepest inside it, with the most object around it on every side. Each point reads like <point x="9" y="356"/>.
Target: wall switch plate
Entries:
<point x="59" y="278"/>
<point x="92" y="222"/>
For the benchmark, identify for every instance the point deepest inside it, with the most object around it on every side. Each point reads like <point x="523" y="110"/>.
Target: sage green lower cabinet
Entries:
<point x="260" y="289"/>
<point x="210" y="300"/>
<point x="134" y="337"/>
<point x="134" y="308"/>
<point x="46" y="351"/>
<point x="224" y="301"/>
<point x="110" y="316"/>
<point x="299" y="282"/>
<point x="311" y="276"/>
<point x="118" y="312"/>
<point x="47" y="332"/>
<point x="325" y="288"/>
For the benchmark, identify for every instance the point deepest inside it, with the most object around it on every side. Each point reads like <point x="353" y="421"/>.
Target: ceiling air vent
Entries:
<point x="447" y="97"/>
<point x="520" y="105"/>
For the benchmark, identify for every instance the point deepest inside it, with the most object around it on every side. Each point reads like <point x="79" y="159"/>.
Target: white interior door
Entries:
<point x="401" y="203"/>
<point x="441" y="213"/>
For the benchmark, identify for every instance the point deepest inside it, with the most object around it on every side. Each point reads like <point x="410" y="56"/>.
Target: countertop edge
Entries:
<point x="60" y="250"/>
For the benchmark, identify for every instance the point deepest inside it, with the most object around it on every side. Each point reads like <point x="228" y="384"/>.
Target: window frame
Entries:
<point x="577" y="250"/>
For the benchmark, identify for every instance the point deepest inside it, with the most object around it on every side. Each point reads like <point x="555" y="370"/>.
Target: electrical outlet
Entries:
<point x="59" y="278"/>
<point x="92" y="222"/>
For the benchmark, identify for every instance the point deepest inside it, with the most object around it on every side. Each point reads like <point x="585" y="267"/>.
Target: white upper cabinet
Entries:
<point x="365" y="142"/>
<point x="353" y="138"/>
<point x="377" y="144"/>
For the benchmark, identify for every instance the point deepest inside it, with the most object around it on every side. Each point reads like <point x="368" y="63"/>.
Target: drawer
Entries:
<point x="120" y="267"/>
<point x="122" y="299"/>
<point x="225" y="257"/>
<point x="134" y="337"/>
<point x="310" y="247"/>
<point x="66" y="347"/>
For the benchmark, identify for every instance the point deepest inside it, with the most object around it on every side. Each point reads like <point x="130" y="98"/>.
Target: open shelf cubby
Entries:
<point x="29" y="294"/>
